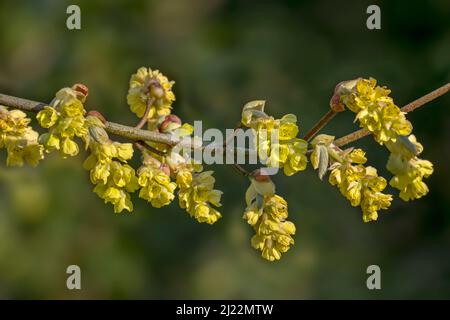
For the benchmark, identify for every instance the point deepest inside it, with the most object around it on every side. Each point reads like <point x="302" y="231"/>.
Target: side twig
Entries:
<point x="144" y="118"/>
<point x="148" y="147"/>
<point x="320" y="124"/>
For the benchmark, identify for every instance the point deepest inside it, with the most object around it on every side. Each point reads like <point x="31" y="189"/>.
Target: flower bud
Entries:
<point x="81" y="90"/>
<point x="170" y="123"/>
<point x="165" y="168"/>
<point x="157" y="91"/>
<point x="262" y="183"/>
<point x="98" y="134"/>
<point x="345" y="87"/>
<point x="175" y="160"/>
<point x="335" y="103"/>
<point x="260" y="176"/>
<point x="98" y="115"/>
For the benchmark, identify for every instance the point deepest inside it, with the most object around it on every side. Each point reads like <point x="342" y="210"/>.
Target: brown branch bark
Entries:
<point x="117" y="129"/>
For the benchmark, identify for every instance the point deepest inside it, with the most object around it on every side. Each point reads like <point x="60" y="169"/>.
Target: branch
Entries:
<point x="136" y="134"/>
<point x="111" y="127"/>
<point x="320" y="124"/>
<point x="408" y="108"/>
<point x="144" y="118"/>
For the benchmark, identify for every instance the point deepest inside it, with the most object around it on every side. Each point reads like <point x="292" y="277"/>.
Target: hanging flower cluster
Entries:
<point x="408" y="169"/>
<point x="361" y="185"/>
<point x="113" y="178"/>
<point x="151" y="95"/>
<point x="19" y="139"/>
<point x="156" y="186"/>
<point x="166" y="172"/>
<point x="267" y="212"/>
<point x="197" y="194"/>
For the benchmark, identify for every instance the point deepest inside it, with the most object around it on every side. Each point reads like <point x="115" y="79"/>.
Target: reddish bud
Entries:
<point x="165" y="168"/>
<point x="259" y="176"/>
<point x="81" y="90"/>
<point x="335" y="103"/>
<point x="95" y="113"/>
<point x="169" y="122"/>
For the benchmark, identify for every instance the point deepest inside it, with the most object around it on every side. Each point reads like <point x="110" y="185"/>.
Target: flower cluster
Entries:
<point x="374" y="109"/>
<point x="155" y="183"/>
<point x="112" y="177"/>
<point x="377" y="113"/>
<point x="64" y="119"/>
<point x="150" y="88"/>
<point x="276" y="139"/>
<point x="197" y="194"/>
<point x="19" y="139"/>
<point x="408" y="169"/>
<point x="167" y="167"/>
<point x="359" y="184"/>
<point x="150" y="95"/>
<point x="267" y="212"/>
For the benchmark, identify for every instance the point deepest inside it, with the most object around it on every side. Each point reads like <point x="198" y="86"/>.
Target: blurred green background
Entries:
<point x="222" y="54"/>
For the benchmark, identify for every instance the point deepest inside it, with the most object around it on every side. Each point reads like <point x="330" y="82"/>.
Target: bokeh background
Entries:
<point x="222" y="54"/>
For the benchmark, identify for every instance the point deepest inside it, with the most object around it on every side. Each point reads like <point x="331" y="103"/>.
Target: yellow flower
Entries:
<point x="20" y="140"/>
<point x="50" y="141"/>
<point x="184" y="179"/>
<point x="65" y="120"/>
<point x="288" y="128"/>
<point x="156" y="186"/>
<point x="206" y="214"/>
<point x="375" y="110"/>
<point x="124" y="151"/>
<point x="148" y="84"/>
<point x="253" y="112"/>
<point x="114" y="180"/>
<point x="120" y="199"/>
<point x="120" y="182"/>
<point x="297" y="159"/>
<point x="377" y="113"/>
<point x="359" y="184"/>
<point x="69" y="147"/>
<point x="47" y="117"/>
<point x="267" y="212"/>
<point x="408" y="169"/>
<point x="276" y="142"/>
<point x="277" y="207"/>
<point x="198" y="196"/>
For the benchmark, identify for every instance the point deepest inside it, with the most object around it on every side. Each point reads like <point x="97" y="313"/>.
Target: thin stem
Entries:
<point x="240" y="169"/>
<point x="144" y="118"/>
<point x="150" y="148"/>
<point x="236" y="166"/>
<point x="227" y="141"/>
<point x="407" y="108"/>
<point x="319" y="125"/>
